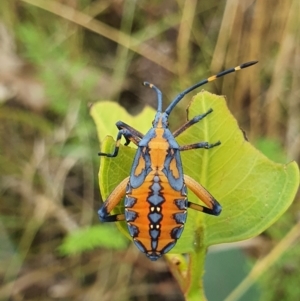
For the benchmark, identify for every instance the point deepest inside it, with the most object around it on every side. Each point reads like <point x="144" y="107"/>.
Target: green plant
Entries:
<point x="253" y="190"/>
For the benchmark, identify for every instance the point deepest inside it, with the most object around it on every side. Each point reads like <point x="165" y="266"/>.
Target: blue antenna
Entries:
<point x="158" y="93"/>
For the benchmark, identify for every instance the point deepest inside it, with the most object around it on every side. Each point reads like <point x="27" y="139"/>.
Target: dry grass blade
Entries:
<point x="184" y="35"/>
<point x="103" y="29"/>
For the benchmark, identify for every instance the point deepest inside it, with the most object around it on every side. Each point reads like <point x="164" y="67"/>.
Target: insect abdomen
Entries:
<point x="155" y="214"/>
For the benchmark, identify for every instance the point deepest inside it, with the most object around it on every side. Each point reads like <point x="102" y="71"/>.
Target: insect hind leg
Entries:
<point x="191" y="122"/>
<point x="212" y="205"/>
<point x="111" y="202"/>
<point x="105" y="218"/>
<point x="216" y="210"/>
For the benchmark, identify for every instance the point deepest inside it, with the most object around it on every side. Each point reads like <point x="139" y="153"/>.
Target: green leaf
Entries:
<point x="253" y="191"/>
<point x="87" y="239"/>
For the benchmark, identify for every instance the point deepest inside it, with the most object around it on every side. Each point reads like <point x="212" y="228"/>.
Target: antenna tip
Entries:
<point x="147" y="84"/>
<point x="248" y="64"/>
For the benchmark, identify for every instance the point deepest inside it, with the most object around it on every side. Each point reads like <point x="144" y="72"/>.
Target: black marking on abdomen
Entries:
<point x="130" y="215"/>
<point x="155" y="217"/>
<point x="154" y="234"/>
<point x="154" y="244"/>
<point x="168" y="247"/>
<point x="155" y="200"/>
<point x="181" y="204"/>
<point x="129" y="202"/>
<point x="180" y="217"/>
<point x="133" y="230"/>
<point x="155" y="197"/>
<point x="176" y="232"/>
<point x="140" y="246"/>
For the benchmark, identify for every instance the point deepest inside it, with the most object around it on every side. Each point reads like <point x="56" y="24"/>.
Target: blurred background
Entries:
<point x="59" y="56"/>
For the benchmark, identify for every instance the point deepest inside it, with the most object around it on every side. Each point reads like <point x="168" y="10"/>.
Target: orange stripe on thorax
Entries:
<point x="158" y="150"/>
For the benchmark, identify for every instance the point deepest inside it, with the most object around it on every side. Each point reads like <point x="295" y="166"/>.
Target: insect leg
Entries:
<point x="135" y="137"/>
<point x="130" y="135"/>
<point x="213" y="207"/>
<point x="205" y="145"/>
<point x="121" y="133"/>
<point x="111" y="202"/>
<point x="190" y="123"/>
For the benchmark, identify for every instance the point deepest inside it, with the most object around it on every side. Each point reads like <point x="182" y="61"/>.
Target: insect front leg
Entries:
<point x="135" y="137"/>
<point x="121" y="133"/>
<point x="111" y="202"/>
<point x="213" y="207"/>
<point x="189" y="123"/>
<point x="130" y="135"/>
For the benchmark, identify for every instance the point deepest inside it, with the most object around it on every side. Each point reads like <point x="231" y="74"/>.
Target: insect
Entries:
<point x="155" y="191"/>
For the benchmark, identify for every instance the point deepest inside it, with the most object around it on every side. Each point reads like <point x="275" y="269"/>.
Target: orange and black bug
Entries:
<point x="156" y="190"/>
